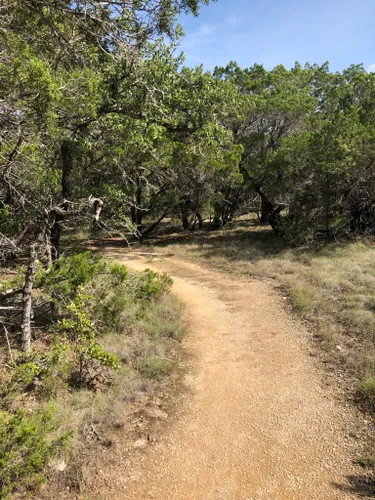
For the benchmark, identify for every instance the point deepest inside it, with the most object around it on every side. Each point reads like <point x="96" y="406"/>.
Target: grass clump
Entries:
<point x="366" y="391"/>
<point x="156" y="368"/>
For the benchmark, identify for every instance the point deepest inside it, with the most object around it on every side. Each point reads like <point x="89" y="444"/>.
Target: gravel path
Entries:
<point x="257" y="420"/>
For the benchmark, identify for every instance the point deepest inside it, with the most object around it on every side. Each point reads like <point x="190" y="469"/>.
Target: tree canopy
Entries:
<point x="101" y="122"/>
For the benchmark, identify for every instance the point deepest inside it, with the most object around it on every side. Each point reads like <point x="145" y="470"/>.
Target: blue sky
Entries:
<point x="275" y="32"/>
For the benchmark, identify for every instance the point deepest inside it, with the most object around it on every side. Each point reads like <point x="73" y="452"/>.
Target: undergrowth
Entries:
<point x="108" y="339"/>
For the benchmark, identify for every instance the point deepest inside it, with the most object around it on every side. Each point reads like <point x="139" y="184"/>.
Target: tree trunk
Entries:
<point x="266" y="206"/>
<point x="27" y="299"/>
<point x="150" y="228"/>
<point x="137" y="214"/>
<point x="185" y="218"/>
<point x="55" y="237"/>
<point x="66" y="191"/>
<point x="67" y="166"/>
<point x="270" y="214"/>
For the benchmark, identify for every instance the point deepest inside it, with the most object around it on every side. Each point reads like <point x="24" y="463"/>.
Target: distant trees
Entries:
<point x="308" y="146"/>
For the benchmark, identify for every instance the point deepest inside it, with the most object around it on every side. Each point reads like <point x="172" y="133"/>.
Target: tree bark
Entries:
<point x="200" y="220"/>
<point x="185" y="218"/>
<point x="270" y="214"/>
<point x="154" y="225"/>
<point x="27" y="299"/>
<point x="67" y="166"/>
<point x="66" y="191"/>
<point x="266" y="206"/>
<point x="55" y="237"/>
<point x="137" y="214"/>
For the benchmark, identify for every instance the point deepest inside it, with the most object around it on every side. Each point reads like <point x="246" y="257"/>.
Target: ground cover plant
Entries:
<point x="104" y="338"/>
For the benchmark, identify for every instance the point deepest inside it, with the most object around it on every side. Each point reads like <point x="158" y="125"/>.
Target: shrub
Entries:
<point x="24" y="370"/>
<point x="80" y="331"/>
<point x="25" y="448"/>
<point x="69" y="272"/>
<point x="94" y="297"/>
<point x="152" y="284"/>
<point x="118" y="272"/>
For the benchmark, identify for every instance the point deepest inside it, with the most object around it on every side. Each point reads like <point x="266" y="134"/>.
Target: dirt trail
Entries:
<point x="257" y="422"/>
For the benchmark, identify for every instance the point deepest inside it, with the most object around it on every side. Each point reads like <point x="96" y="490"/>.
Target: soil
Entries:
<point x="257" y="418"/>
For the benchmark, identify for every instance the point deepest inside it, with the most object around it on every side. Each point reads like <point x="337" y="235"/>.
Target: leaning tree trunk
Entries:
<point x="27" y="299"/>
<point x="270" y="213"/>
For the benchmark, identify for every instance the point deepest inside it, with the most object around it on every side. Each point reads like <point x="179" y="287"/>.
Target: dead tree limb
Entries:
<point x="7" y="337"/>
<point x="10" y="293"/>
<point x="27" y="299"/>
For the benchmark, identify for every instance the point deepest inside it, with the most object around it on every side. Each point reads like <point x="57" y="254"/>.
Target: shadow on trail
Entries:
<point x="363" y="486"/>
<point x="244" y="240"/>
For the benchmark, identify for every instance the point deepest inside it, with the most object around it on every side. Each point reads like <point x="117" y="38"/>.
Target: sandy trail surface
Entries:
<point x="256" y="420"/>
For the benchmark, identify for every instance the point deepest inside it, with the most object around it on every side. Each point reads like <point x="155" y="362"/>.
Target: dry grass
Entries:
<point x="144" y="346"/>
<point x="331" y="285"/>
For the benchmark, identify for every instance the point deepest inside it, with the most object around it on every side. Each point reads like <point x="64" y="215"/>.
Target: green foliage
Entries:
<point x="16" y="281"/>
<point x="26" y="447"/>
<point x="8" y="224"/>
<point x="118" y="272"/>
<point x="45" y="371"/>
<point x="307" y="137"/>
<point x="152" y="284"/>
<point x="80" y="331"/>
<point x="25" y="373"/>
<point x="68" y="273"/>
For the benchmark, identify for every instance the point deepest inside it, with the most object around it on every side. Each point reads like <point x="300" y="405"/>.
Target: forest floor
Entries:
<point x="258" y="416"/>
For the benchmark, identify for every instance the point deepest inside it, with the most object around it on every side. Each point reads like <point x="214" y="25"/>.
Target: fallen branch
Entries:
<point x="10" y="293"/>
<point x="27" y="299"/>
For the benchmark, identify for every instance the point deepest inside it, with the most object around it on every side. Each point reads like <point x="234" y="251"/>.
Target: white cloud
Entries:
<point x="371" y="68"/>
<point x="204" y="35"/>
<point x="207" y="29"/>
<point x="232" y="20"/>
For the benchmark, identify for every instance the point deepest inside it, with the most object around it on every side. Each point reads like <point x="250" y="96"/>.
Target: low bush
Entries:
<point x="26" y="446"/>
<point x="109" y="342"/>
<point x="68" y="273"/>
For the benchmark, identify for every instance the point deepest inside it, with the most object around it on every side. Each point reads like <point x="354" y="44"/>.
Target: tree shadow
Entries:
<point x="242" y="240"/>
<point x="361" y="485"/>
<point x="237" y="236"/>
